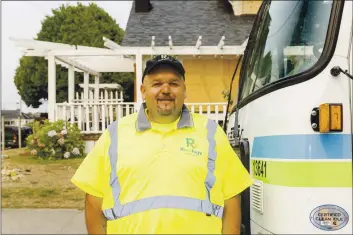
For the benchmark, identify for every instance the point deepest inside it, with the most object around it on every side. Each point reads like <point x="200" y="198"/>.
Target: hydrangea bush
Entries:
<point x="55" y="140"/>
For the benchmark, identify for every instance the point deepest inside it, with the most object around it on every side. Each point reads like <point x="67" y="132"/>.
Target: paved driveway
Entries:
<point x="42" y="221"/>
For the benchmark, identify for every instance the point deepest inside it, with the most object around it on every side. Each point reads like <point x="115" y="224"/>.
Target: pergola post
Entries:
<point x="51" y="88"/>
<point x="85" y="86"/>
<point x="138" y="84"/>
<point x="71" y="88"/>
<point x="96" y="88"/>
<point x="95" y="107"/>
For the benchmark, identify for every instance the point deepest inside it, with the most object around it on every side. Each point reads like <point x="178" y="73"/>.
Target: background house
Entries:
<point x="11" y="117"/>
<point x="207" y="76"/>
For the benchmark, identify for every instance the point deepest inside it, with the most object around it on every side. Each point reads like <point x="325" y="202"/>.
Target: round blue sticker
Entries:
<point x="329" y="217"/>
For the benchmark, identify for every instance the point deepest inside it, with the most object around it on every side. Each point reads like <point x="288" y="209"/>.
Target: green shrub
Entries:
<point x="55" y="140"/>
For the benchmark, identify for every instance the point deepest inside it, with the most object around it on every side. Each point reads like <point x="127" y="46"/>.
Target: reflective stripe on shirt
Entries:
<point x="157" y="202"/>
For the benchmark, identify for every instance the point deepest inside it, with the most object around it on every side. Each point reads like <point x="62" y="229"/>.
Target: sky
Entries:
<point x="22" y="19"/>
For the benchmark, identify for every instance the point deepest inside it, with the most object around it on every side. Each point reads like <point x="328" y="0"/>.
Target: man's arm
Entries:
<point x="96" y="223"/>
<point x="92" y="177"/>
<point x="235" y="180"/>
<point x="232" y="216"/>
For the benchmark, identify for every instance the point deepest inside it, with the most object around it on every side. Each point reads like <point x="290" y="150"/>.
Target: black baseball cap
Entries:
<point x="164" y="59"/>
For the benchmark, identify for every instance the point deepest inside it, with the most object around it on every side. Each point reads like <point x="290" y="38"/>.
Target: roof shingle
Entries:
<point x="185" y="21"/>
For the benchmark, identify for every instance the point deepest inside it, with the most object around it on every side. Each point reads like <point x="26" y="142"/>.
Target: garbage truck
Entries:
<point x="293" y="119"/>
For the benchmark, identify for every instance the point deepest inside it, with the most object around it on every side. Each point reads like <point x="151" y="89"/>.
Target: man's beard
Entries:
<point x="164" y="112"/>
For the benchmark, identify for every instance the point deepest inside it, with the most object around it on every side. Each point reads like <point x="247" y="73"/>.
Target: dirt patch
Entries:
<point x="42" y="184"/>
<point x="42" y="197"/>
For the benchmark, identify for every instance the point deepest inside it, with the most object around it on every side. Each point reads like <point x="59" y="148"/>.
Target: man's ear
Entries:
<point x="143" y="90"/>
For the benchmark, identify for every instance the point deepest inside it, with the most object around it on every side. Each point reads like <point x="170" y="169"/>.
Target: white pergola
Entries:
<point x="113" y="58"/>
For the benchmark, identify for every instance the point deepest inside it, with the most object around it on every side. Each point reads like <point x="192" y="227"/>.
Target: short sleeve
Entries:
<point x="92" y="176"/>
<point x="236" y="178"/>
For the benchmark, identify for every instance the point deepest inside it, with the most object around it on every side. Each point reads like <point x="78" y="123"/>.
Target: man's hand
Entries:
<point x="231" y="222"/>
<point x="96" y="223"/>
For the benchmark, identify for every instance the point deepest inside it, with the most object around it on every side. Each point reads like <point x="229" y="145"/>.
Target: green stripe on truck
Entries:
<point x="303" y="174"/>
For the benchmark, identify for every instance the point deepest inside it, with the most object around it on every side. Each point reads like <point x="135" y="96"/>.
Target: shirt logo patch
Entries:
<point x="191" y="147"/>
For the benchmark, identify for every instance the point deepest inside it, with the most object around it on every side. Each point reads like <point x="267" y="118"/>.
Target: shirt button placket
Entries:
<point x="164" y="144"/>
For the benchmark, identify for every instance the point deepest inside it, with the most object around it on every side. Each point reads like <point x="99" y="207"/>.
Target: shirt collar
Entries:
<point x="143" y="124"/>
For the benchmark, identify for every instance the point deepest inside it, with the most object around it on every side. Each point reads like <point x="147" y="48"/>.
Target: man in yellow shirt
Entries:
<point x="163" y="170"/>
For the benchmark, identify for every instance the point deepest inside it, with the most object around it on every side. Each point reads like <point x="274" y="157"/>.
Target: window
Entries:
<point x="9" y="123"/>
<point x="289" y="39"/>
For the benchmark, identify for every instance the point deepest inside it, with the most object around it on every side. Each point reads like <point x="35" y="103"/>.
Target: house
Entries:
<point x="11" y="117"/>
<point x="195" y="24"/>
<point x="207" y="36"/>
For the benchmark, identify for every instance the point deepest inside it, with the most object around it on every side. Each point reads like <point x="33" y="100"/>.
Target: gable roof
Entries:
<point x="185" y="21"/>
<point x="13" y="114"/>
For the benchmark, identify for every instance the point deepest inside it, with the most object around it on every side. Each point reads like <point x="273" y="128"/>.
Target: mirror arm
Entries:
<point x="335" y="71"/>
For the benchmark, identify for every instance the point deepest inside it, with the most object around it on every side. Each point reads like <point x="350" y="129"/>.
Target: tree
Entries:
<point x="74" y="25"/>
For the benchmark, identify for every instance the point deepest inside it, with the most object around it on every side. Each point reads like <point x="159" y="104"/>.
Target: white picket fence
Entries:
<point x="94" y="117"/>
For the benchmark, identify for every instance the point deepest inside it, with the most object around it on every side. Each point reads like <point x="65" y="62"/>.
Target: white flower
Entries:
<point x="34" y="152"/>
<point x="52" y="133"/>
<point x="76" y="151"/>
<point x="64" y="132"/>
<point x="53" y="151"/>
<point x="67" y="155"/>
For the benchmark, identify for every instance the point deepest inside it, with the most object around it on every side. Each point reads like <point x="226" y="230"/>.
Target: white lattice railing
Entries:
<point x="94" y="117"/>
<point x="104" y="97"/>
<point x="215" y="111"/>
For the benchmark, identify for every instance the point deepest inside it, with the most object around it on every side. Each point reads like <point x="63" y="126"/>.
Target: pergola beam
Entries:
<point x="245" y="42"/>
<point x="77" y="65"/>
<point x="170" y="42"/>
<point x="153" y="42"/>
<point x="176" y="50"/>
<point x="110" y="44"/>
<point x="40" y="53"/>
<point x="37" y="49"/>
<point x="221" y="43"/>
<point x="65" y="65"/>
<point x="36" y="44"/>
<point x="199" y="42"/>
<point x="31" y="44"/>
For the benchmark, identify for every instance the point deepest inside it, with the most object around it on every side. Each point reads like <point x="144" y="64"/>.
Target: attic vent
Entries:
<point x="143" y="6"/>
<point x="257" y="196"/>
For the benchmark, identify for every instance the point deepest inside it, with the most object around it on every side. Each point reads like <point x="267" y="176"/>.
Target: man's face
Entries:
<point x="164" y="92"/>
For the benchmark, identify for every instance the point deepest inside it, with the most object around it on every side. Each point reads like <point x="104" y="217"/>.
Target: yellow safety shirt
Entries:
<point x="163" y="159"/>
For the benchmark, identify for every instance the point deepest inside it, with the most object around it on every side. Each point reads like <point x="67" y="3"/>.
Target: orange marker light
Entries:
<point x="330" y="118"/>
<point x="336" y="117"/>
